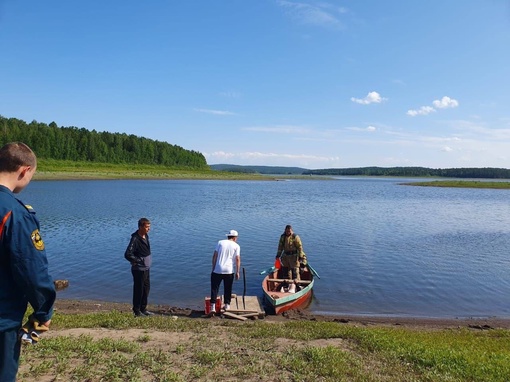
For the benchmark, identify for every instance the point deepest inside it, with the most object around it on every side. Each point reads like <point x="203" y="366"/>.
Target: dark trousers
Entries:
<point x="216" y="279"/>
<point x="141" y="288"/>
<point x="10" y="347"/>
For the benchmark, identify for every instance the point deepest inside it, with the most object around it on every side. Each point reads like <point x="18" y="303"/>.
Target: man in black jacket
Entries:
<point x="138" y="253"/>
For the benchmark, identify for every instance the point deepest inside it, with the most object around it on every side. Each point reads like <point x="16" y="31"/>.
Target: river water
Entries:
<point x="380" y="247"/>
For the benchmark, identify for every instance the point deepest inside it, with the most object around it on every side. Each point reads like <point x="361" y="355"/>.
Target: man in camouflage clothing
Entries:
<point x="290" y="252"/>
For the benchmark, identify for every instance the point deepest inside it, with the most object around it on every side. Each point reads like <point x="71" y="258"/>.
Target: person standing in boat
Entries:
<point x="291" y="254"/>
<point x="138" y="253"/>
<point x="226" y="256"/>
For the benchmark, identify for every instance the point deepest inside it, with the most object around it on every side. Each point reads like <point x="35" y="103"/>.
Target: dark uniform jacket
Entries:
<point x="138" y="252"/>
<point x="24" y="274"/>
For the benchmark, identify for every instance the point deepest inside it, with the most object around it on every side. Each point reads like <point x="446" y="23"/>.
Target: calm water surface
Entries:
<point x="381" y="248"/>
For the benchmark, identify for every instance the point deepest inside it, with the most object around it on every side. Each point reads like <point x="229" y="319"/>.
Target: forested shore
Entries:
<point x="50" y="141"/>
<point x="424" y="172"/>
<point x="66" y="150"/>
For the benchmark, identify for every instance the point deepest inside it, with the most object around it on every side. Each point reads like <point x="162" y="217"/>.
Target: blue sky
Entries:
<point x="315" y="84"/>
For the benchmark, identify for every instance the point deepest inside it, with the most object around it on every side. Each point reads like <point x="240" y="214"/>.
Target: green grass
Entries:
<point x="462" y="184"/>
<point x="49" y="169"/>
<point x="186" y="349"/>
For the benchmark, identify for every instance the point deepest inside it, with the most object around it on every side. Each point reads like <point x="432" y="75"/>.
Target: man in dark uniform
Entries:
<point x="24" y="274"/>
<point x="290" y="252"/>
<point x="138" y="253"/>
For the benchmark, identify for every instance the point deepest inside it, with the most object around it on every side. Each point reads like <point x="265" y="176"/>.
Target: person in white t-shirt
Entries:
<point x="226" y="257"/>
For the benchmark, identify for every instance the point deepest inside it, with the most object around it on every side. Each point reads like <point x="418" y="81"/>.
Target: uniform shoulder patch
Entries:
<point x="37" y="240"/>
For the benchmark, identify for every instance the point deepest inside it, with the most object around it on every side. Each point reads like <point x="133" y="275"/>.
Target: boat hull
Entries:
<point x="279" y="302"/>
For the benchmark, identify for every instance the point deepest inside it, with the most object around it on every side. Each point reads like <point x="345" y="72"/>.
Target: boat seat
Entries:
<point x="289" y="281"/>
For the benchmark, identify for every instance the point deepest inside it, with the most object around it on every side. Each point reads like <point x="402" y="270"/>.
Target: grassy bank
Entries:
<point x="114" y="346"/>
<point x="462" y="184"/>
<point x="69" y="170"/>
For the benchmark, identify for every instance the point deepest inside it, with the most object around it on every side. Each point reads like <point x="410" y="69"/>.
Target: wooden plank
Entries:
<point x="254" y="314"/>
<point x="240" y="312"/>
<point x="251" y="308"/>
<point x="229" y="314"/>
<point x="251" y="304"/>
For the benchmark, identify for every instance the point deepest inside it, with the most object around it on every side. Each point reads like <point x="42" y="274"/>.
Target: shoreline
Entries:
<point x="71" y="306"/>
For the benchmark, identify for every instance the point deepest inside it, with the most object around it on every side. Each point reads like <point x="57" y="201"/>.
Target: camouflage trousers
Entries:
<point x="290" y="264"/>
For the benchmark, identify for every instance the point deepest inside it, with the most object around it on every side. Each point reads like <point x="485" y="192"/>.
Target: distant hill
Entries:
<point x="469" y="172"/>
<point x="267" y="170"/>
<point x="481" y="173"/>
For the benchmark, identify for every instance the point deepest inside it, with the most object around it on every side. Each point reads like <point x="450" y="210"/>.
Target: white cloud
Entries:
<point x="220" y="155"/>
<point x="372" y="97"/>
<point x="424" y="110"/>
<point x="286" y="156"/>
<point x="214" y="112"/>
<point x="481" y="132"/>
<point x="270" y="159"/>
<point x="445" y="103"/>
<point x="368" y="128"/>
<point x="320" y="14"/>
<point x="447" y="149"/>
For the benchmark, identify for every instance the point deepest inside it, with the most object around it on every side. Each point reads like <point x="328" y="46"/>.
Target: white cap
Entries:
<point x="232" y="232"/>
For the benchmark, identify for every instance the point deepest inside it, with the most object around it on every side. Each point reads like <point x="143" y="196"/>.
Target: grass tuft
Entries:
<point x="119" y="347"/>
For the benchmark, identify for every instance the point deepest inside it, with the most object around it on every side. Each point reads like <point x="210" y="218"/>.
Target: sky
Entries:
<point x="313" y="84"/>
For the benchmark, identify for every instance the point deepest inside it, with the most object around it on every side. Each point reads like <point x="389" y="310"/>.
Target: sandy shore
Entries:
<point x="85" y="306"/>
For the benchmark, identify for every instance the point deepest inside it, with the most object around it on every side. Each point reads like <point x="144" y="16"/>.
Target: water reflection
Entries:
<point x="380" y="247"/>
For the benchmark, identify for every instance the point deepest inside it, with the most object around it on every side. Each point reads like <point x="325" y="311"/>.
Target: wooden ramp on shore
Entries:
<point x="250" y="309"/>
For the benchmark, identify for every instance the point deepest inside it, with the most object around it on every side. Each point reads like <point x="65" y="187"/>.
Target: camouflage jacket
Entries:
<point x="290" y="244"/>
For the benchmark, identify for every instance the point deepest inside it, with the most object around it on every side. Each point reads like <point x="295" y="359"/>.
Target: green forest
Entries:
<point x="485" y="172"/>
<point x="82" y="145"/>
<point x="79" y="144"/>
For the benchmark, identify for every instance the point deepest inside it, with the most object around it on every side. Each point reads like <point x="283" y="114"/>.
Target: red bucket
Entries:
<point x="207" y="308"/>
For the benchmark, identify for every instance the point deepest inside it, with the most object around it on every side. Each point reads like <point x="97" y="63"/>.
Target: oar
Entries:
<point x="268" y="270"/>
<point x="314" y="272"/>
<point x="277" y="265"/>
<point x="244" y="291"/>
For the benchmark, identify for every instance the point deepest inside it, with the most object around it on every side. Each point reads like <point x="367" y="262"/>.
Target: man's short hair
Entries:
<point x="13" y="155"/>
<point x="143" y="221"/>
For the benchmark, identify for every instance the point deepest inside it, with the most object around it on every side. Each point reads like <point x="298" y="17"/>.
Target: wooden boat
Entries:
<point x="276" y="295"/>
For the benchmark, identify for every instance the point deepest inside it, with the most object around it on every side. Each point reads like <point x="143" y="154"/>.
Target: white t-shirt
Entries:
<point x="227" y="250"/>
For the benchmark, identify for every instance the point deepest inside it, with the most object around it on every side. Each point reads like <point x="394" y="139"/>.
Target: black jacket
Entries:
<point x="138" y="252"/>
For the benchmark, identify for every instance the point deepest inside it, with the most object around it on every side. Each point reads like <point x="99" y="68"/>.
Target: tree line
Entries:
<point x="485" y="172"/>
<point x="79" y="144"/>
